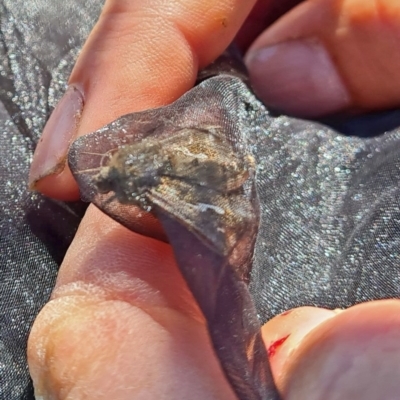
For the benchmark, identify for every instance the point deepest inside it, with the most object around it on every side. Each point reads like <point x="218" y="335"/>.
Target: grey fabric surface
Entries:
<point x="330" y="203"/>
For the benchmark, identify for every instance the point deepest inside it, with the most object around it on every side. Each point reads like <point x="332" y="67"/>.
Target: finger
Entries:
<point x="141" y="54"/>
<point x="352" y="355"/>
<point x="122" y="324"/>
<point x="283" y="333"/>
<point x="327" y="56"/>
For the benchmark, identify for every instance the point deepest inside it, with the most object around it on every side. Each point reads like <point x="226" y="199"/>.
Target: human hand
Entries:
<point x="102" y="320"/>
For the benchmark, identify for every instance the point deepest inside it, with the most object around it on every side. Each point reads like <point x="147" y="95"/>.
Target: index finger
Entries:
<point x="140" y="55"/>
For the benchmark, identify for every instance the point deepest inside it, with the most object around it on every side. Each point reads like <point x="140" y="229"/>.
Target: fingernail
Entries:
<point x="297" y="77"/>
<point x="59" y="132"/>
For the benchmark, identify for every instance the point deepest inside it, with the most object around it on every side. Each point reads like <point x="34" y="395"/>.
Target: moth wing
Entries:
<point x="219" y="220"/>
<point x="206" y="159"/>
<point x="88" y="154"/>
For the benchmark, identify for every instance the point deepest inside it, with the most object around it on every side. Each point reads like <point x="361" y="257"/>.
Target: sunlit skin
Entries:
<point x="121" y="323"/>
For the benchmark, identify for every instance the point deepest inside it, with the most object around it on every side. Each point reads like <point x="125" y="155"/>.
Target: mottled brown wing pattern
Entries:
<point x="218" y="219"/>
<point x="193" y="175"/>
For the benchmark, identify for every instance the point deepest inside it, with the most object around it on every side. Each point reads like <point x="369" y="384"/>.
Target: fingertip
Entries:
<point x="299" y="78"/>
<point x="351" y="356"/>
<point x="140" y="55"/>
<point x="60" y="186"/>
<point x="49" y="173"/>
<point x="361" y="66"/>
<point x="285" y="332"/>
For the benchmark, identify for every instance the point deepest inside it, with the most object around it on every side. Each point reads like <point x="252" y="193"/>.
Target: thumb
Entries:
<point x="141" y="54"/>
<point x="327" y="56"/>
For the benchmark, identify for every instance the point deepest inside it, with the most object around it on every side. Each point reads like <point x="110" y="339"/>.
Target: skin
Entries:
<point x="133" y="330"/>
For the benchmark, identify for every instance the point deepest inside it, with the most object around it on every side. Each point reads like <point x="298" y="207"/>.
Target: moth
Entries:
<point x="192" y="174"/>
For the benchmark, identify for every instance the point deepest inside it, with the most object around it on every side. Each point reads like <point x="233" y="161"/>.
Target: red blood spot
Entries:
<point x="275" y="346"/>
<point x="285" y="313"/>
